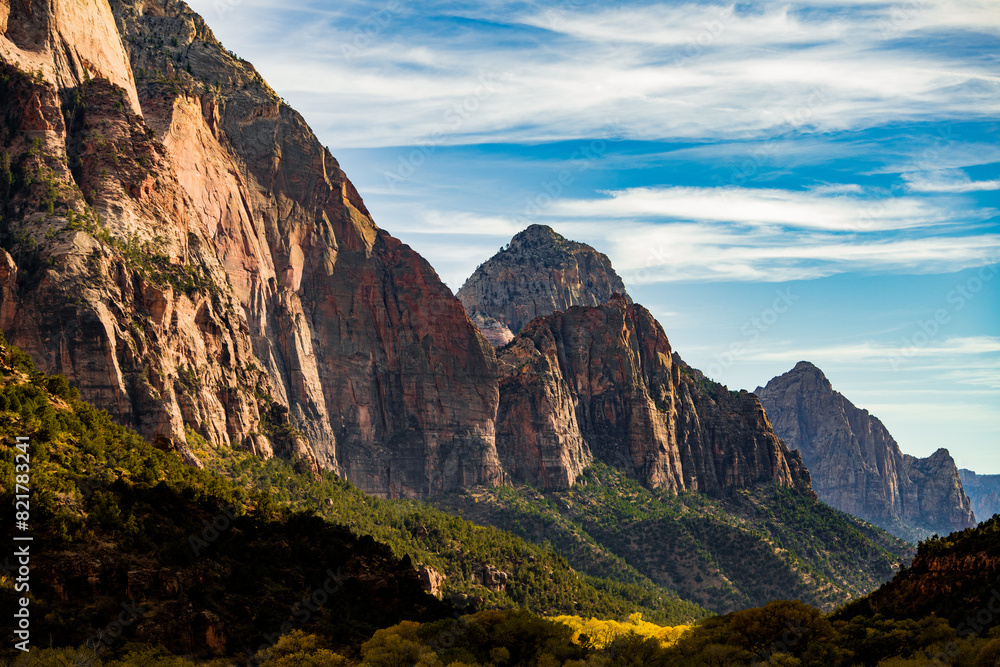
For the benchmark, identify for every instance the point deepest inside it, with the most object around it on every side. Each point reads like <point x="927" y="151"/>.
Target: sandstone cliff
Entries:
<point x="983" y="492"/>
<point x="856" y="464"/>
<point x="603" y="382"/>
<point x="182" y="248"/>
<point x="540" y="272"/>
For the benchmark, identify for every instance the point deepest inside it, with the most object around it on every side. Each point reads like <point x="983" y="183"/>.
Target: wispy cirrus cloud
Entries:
<point x="825" y="208"/>
<point x="687" y="253"/>
<point x="689" y="70"/>
<point x="952" y="180"/>
<point x="957" y="346"/>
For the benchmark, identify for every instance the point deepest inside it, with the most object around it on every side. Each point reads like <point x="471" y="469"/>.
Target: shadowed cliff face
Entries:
<point x="603" y="382"/>
<point x="539" y="273"/>
<point x="184" y="250"/>
<point x="857" y="466"/>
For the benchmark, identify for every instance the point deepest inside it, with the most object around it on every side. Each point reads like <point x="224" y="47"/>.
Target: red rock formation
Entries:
<point x="855" y="463"/>
<point x="604" y="382"/>
<point x="190" y="257"/>
<point x="540" y="272"/>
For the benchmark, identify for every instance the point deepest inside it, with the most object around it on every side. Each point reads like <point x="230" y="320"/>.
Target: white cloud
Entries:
<point x="815" y="209"/>
<point x="884" y="352"/>
<point x="950" y="180"/>
<point x="687" y="71"/>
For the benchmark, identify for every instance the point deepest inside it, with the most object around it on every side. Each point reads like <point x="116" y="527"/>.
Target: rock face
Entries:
<point x="431" y="580"/>
<point x="181" y="247"/>
<point x="983" y="492"/>
<point x="539" y="273"/>
<point x="495" y="331"/>
<point x="490" y="577"/>
<point x="603" y="382"/>
<point x="855" y="463"/>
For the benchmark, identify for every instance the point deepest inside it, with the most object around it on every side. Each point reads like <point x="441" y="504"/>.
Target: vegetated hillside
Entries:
<point x="780" y="632"/>
<point x="482" y="566"/>
<point x="201" y="565"/>
<point x="726" y="553"/>
<point x="207" y="567"/>
<point x="217" y="565"/>
<point x="955" y="577"/>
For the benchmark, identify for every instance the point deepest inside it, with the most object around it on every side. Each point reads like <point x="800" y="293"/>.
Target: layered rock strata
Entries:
<point x="604" y="382"/>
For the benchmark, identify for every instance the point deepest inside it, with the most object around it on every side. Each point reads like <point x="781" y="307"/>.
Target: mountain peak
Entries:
<point x="806" y="366"/>
<point x="856" y="464"/>
<point x="540" y="272"/>
<point x="537" y="232"/>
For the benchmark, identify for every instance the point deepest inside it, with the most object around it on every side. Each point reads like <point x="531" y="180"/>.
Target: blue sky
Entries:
<point x="775" y="181"/>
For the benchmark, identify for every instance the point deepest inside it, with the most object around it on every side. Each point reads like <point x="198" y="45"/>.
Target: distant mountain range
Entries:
<point x="983" y="492"/>
<point x="856" y="464"/>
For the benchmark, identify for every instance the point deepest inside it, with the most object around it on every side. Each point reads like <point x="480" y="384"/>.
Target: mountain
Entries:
<point x="983" y="492"/>
<point x="934" y="613"/>
<point x="178" y="244"/>
<point x="538" y="273"/>
<point x="215" y="561"/>
<point x="603" y="382"/>
<point x="855" y="463"/>
<point x="181" y="247"/>
<point x="944" y="609"/>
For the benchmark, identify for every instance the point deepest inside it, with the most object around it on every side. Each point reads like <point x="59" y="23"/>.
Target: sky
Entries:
<point x="774" y="181"/>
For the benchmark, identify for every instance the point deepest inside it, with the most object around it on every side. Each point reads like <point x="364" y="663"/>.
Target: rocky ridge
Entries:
<point x="538" y="273"/>
<point x="603" y="382"/>
<point x="856" y="464"/>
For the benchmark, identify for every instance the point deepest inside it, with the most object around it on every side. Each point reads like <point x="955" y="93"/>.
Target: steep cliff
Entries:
<point x="603" y="382"/>
<point x="182" y="248"/>
<point x="855" y="463"/>
<point x="983" y="492"/>
<point x="540" y="272"/>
